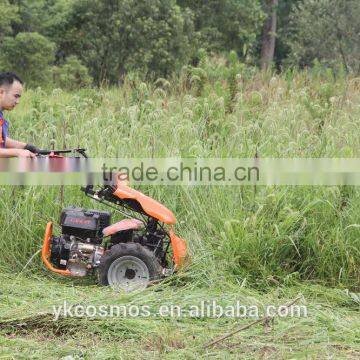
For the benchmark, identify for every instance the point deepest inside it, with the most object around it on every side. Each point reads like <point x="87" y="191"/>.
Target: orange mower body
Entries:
<point x="129" y="254"/>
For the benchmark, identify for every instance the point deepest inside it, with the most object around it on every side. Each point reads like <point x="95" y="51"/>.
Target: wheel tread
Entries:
<point x="133" y="249"/>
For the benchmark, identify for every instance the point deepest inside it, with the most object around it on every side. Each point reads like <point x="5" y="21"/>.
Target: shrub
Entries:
<point x="72" y="75"/>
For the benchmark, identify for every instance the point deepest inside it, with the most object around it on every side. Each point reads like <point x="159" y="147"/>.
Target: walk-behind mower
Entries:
<point x="127" y="255"/>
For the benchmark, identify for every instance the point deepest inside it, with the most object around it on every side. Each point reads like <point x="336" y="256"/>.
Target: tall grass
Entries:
<point x="269" y="236"/>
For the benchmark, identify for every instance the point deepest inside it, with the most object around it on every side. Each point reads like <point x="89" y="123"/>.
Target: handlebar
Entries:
<point x="59" y="152"/>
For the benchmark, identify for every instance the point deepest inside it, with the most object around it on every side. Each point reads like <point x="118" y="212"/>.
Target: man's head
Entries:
<point x="11" y="87"/>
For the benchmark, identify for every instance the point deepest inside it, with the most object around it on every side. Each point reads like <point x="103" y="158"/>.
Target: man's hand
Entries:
<point x="32" y="148"/>
<point x="24" y="153"/>
<point x="8" y="153"/>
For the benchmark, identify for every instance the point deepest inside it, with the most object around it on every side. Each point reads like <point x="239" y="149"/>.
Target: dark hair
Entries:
<point x="8" y="78"/>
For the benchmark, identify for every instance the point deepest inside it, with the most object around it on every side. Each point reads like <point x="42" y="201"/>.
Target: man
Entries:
<point x="11" y="87"/>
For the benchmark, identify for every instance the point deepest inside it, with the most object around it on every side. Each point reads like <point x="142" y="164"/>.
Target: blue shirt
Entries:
<point x="4" y="125"/>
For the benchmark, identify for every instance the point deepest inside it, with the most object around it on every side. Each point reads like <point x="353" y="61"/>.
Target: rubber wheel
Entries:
<point x="128" y="267"/>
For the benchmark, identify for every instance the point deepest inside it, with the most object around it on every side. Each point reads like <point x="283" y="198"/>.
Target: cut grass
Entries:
<point x="330" y="330"/>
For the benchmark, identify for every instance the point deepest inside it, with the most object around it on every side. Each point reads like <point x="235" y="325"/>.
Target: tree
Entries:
<point x="28" y="54"/>
<point x="269" y="35"/>
<point x="112" y="37"/>
<point x="9" y="14"/>
<point x="224" y="25"/>
<point x="283" y="30"/>
<point x="40" y="15"/>
<point x="327" y="30"/>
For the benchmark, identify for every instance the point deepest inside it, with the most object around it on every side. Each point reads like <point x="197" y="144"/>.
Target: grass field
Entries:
<point x="259" y="245"/>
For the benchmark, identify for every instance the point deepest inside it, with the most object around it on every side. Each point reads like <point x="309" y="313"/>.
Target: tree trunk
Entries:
<point x="269" y="34"/>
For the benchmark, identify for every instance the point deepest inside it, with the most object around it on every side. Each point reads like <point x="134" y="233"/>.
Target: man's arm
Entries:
<point x="15" y="149"/>
<point x="14" y="144"/>
<point x="18" y="149"/>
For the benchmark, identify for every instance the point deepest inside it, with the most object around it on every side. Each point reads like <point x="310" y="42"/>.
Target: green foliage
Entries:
<point x="32" y="15"/>
<point x="72" y="75"/>
<point x="327" y="30"/>
<point x="41" y="15"/>
<point x="226" y="24"/>
<point x="28" y="54"/>
<point x="284" y="30"/>
<point x="9" y="14"/>
<point x="197" y="76"/>
<point x="113" y="37"/>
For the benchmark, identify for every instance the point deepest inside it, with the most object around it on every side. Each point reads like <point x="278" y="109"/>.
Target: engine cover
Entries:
<point x="84" y="224"/>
